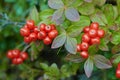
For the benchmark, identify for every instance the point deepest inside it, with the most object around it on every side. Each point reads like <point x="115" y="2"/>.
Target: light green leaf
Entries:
<point x="115" y="38"/>
<point x="103" y="45"/>
<point x="99" y="2"/>
<point x="44" y="66"/>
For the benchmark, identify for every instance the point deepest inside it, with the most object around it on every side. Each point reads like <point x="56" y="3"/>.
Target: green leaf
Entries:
<point x="93" y="49"/>
<point x="71" y="45"/>
<point x="88" y="1"/>
<point x="118" y="5"/>
<point x="115" y="12"/>
<point x="57" y="14"/>
<point x="101" y="62"/>
<point x="44" y="66"/>
<point x="115" y="38"/>
<point x="72" y="14"/>
<point x="103" y="45"/>
<point x="86" y="9"/>
<point x="116" y="58"/>
<point x="99" y="2"/>
<point x="116" y="49"/>
<point x="74" y="58"/>
<point x="59" y="41"/>
<point x="55" y="4"/>
<point x="88" y="67"/>
<point x="34" y="14"/>
<point x="99" y="17"/>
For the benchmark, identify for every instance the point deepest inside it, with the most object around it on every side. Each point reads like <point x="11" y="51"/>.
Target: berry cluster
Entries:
<point x="16" y="56"/>
<point x="30" y="32"/>
<point x="47" y="33"/>
<point x="118" y="71"/>
<point x="92" y="35"/>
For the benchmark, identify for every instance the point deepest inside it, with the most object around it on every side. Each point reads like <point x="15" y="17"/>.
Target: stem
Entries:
<point x="20" y="45"/>
<point x="104" y="75"/>
<point x="59" y="50"/>
<point x="26" y="47"/>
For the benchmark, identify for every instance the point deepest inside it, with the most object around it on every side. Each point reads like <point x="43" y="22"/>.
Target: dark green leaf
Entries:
<point x="59" y="41"/>
<point x="71" y="45"/>
<point x="101" y="62"/>
<point x="55" y="4"/>
<point x="86" y="9"/>
<point x="74" y="58"/>
<point x="116" y="49"/>
<point x="72" y="14"/>
<point x="93" y="49"/>
<point x="88" y="67"/>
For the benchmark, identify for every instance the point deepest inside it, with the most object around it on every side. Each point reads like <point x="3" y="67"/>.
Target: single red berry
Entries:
<point x="47" y="40"/>
<point x="52" y="26"/>
<point x="48" y="28"/>
<point x="118" y="66"/>
<point x="24" y="55"/>
<point x="19" y="60"/>
<point x="86" y="29"/>
<point x="85" y="37"/>
<point x="84" y="54"/>
<point x="24" y="31"/>
<point x="84" y="46"/>
<point x="30" y="24"/>
<point x="101" y="33"/>
<point x="25" y="26"/>
<point x="14" y="61"/>
<point x="52" y="34"/>
<point x="27" y="39"/>
<point x="33" y="36"/>
<point x="118" y="73"/>
<point x="10" y="54"/>
<point x="42" y="27"/>
<point x="78" y="48"/>
<point x="41" y="35"/>
<point x="92" y="33"/>
<point x="16" y="53"/>
<point x="36" y="30"/>
<point x="94" y="25"/>
<point x="95" y="40"/>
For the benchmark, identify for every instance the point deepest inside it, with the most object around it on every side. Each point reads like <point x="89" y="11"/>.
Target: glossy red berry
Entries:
<point x="16" y="53"/>
<point x="48" y="28"/>
<point x="52" y="26"/>
<point x="47" y="40"/>
<point x="36" y="30"/>
<point x="85" y="37"/>
<point x="84" y="54"/>
<point x="33" y="36"/>
<point x="92" y="33"/>
<point x="41" y="35"/>
<point x="78" y="48"/>
<point x="24" y="55"/>
<point x="27" y="39"/>
<point x="118" y="66"/>
<point x="10" y="54"/>
<point x="42" y="27"/>
<point x="52" y="34"/>
<point x="94" y="25"/>
<point x="84" y="46"/>
<point x="118" y="73"/>
<point x="30" y="24"/>
<point x="14" y="61"/>
<point x="25" y="26"/>
<point x="86" y="29"/>
<point x="95" y="40"/>
<point x="101" y="33"/>
<point x="24" y="31"/>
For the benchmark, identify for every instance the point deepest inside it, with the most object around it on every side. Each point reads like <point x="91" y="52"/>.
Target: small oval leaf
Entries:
<point x="72" y="14"/>
<point x="59" y="41"/>
<point x="88" y="67"/>
<point x="71" y="45"/>
<point x="55" y="4"/>
<point x="101" y="62"/>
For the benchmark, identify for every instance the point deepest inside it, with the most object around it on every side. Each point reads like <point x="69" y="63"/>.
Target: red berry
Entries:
<point x="118" y="73"/>
<point x="47" y="41"/>
<point x="33" y="36"/>
<point x="10" y="54"/>
<point x="84" y="46"/>
<point x="19" y="60"/>
<point x="92" y="33"/>
<point x="41" y="35"/>
<point x="42" y="27"/>
<point x="30" y="24"/>
<point x="52" y="34"/>
<point x="25" y="26"/>
<point x="14" y="61"/>
<point x="118" y="66"/>
<point x="24" y="31"/>
<point x="95" y="40"/>
<point x="16" y="53"/>
<point x="78" y="48"/>
<point x="84" y="54"/>
<point x="36" y="30"/>
<point x="86" y="29"/>
<point x="27" y="39"/>
<point x="85" y="37"/>
<point x="52" y="26"/>
<point x="48" y="28"/>
<point x="24" y="55"/>
<point x="101" y="33"/>
<point x="94" y="25"/>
